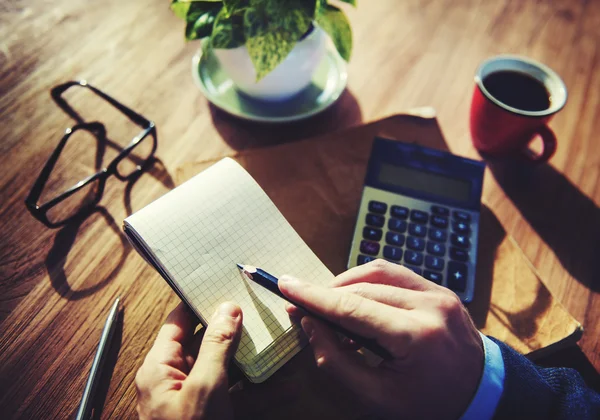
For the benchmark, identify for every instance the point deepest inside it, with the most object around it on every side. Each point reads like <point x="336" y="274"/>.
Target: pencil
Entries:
<point x="270" y="282"/>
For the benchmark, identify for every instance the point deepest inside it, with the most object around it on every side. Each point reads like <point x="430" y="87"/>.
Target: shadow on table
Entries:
<point x="565" y="218"/>
<point x="64" y="241"/>
<point x="108" y="367"/>
<point x="491" y="235"/>
<point x="242" y="134"/>
<point x="525" y="323"/>
<point x="158" y="171"/>
<point x="65" y="238"/>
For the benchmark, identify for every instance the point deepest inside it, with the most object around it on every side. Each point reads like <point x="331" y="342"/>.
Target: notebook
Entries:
<point x="194" y="236"/>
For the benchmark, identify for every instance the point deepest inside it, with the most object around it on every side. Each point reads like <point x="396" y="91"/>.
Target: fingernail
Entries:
<point x="308" y="326"/>
<point x="229" y="309"/>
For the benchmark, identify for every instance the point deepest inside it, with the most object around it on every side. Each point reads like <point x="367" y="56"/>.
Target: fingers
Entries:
<point x="175" y="334"/>
<point x="193" y="348"/>
<point x="179" y="325"/>
<point x="329" y="356"/>
<point x="218" y="346"/>
<point x="389" y="295"/>
<point x="383" y="272"/>
<point x="349" y="344"/>
<point x="294" y="312"/>
<point x="363" y="316"/>
<point x="297" y="314"/>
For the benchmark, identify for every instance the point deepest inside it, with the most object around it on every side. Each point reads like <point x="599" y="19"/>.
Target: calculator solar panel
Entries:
<point x="420" y="208"/>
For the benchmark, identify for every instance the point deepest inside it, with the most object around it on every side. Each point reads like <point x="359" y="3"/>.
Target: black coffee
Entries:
<point x="518" y="90"/>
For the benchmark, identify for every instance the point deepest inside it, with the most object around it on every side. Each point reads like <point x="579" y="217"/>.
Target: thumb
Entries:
<point x="218" y="346"/>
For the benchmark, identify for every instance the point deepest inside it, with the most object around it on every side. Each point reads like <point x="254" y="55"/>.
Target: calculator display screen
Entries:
<point x="428" y="182"/>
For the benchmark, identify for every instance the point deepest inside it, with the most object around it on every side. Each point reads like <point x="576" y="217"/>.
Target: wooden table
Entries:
<point x="57" y="285"/>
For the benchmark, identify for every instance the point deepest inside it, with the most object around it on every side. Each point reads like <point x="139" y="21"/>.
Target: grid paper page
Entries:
<point x="200" y="230"/>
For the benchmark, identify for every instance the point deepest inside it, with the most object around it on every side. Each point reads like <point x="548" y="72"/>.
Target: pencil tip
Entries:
<point x="240" y="266"/>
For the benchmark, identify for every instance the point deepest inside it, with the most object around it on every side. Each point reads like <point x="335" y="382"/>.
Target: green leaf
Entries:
<point x="202" y="26"/>
<point x="228" y="30"/>
<point x="334" y="22"/>
<point x="234" y="6"/>
<point x="275" y="9"/>
<point x="190" y="10"/>
<point x="323" y="3"/>
<point x="180" y="8"/>
<point x="197" y="9"/>
<point x="271" y="30"/>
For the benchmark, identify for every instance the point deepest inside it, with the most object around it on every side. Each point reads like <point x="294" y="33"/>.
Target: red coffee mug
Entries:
<point x="499" y="129"/>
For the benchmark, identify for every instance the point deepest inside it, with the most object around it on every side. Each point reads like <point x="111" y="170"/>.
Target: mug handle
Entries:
<point x="549" y="140"/>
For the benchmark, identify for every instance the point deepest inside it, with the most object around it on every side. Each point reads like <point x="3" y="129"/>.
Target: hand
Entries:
<point x="437" y="351"/>
<point x="173" y="383"/>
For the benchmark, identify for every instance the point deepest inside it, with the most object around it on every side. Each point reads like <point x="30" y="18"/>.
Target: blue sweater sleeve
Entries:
<point x="532" y="392"/>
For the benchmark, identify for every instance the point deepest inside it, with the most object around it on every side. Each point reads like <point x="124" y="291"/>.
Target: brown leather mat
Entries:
<point x="317" y="183"/>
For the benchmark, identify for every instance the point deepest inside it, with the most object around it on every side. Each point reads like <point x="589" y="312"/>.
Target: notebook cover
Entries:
<point x="317" y="184"/>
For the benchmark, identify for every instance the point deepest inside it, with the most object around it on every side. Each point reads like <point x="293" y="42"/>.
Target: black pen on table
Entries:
<point x="270" y="282"/>
<point x="87" y="399"/>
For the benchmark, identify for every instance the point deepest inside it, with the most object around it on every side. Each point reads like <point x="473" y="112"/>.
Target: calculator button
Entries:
<point x="437" y="235"/>
<point x="371" y="248"/>
<point x="459" y="254"/>
<point x="417" y="230"/>
<point x="399" y="212"/>
<point x="419" y="216"/>
<point x="457" y="276"/>
<point x="415" y="269"/>
<point x="397" y="225"/>
<point x="440" y="211"/>
<point x="434" y="263"/>
<point x="433" y="276"/>
<point x="436" y="249"/>
<point x="375" y="220"/>
<point x="393" y="238"/>
<point x="416" y="244"/>
<point x="460" y="240"/>
<point x="462" y="216"/>
<point x="392" y="253"/>
<point x="363" y="259"/>
<point x="461" y="227"/>
<point x="439" y="221"/>
<point x="372" y="233"/>
<point x="412" y="257"/>
<point x="377" y="207"/>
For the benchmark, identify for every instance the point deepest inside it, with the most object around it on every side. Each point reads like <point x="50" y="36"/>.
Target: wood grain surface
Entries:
<point x="317" y="184"/>
<point x="57" y="285"/>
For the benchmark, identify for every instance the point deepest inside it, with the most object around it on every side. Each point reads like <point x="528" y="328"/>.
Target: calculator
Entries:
<point x="420" y="208"/>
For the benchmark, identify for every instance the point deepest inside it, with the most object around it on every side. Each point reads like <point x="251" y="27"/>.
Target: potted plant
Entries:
<point x="269" y="48"/>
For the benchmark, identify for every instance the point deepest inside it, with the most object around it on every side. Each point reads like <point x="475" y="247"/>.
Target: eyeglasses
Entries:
<point x="85" y="194"/>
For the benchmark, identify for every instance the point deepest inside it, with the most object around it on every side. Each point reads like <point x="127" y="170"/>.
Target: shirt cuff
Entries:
<point x="484" y="403"/>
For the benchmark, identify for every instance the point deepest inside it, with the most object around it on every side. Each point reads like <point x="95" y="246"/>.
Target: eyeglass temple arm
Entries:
<point x="72" y="190"/>
<point x="57" y="92"/>
<point x="40" y="182"/>
<point x="36" y="191"/>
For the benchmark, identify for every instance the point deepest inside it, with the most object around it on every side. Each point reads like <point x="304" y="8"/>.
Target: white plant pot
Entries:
<point x="287" y="79"/>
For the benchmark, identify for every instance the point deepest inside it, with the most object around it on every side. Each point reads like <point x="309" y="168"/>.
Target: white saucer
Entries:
<point x="328" y="83"/>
